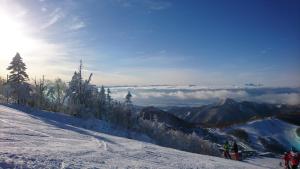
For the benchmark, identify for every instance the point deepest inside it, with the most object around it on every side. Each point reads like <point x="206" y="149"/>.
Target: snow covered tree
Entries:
<point x="102" y="96"/>
<point x="102" y="103"/>
<point x="17" y="79"/>
<point x="38" y="93"/>
<point x="2" y="82"/>
<point x="81" y="94"/>
<point x="128" y="98"/>
<point x="56" y="91"/>
<point x="73" y="89"/>
<point x="89" y="95"/>
<point x="108" y="97"/>
<point x="5" y="89"/>
<point x="128" y="110"/>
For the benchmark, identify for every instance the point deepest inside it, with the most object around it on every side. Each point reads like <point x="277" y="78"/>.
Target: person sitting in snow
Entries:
<point x="294" y="159"/>
<point x="226" y="150"/>
<point x="235" y="150"/>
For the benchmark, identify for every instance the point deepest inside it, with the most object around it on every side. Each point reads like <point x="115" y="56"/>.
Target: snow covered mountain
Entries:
<point x="227" y="112"/>
<point x="264" y="127"/>
<point x="268" y="134"/>
<point x="39" y="139"/>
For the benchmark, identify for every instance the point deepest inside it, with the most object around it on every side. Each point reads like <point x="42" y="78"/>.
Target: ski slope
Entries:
<point x="52" y="140"/>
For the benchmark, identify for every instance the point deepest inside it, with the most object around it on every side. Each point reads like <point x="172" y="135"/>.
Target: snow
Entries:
<point x="283" y="132"/>
<point x="50" y="140"/>
<point x="272" y="163"/>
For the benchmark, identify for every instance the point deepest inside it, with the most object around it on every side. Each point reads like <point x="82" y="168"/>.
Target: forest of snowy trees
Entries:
<point x="80" y="98"/>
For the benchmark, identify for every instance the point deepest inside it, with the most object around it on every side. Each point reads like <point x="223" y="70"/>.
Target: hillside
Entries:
<point x="155" y="114"/>
<point x="267" y="135"/>
<point x="225" y="113"/>
<point x="51" y="140"/>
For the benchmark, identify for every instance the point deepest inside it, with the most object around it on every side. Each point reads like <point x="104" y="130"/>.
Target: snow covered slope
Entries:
<point x="283" y="132"/>
<point x="50" y="140"/>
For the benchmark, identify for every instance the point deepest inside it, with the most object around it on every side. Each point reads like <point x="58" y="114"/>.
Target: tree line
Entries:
<point x="79" y="97"/>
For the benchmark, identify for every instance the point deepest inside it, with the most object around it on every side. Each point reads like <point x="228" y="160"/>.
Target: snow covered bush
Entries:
<point x="5" y="94"/>
<point x="177" y="139"/>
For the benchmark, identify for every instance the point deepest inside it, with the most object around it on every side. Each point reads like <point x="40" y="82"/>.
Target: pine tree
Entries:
<point x="128" y="110"/>
<point x="80" y="90"/>
<point x="18" y="77"/>
<point x="108" y="97"/>
<point x="128" y="98"/>
<point x="102" y="102"/>
<point x="102" y="95"/>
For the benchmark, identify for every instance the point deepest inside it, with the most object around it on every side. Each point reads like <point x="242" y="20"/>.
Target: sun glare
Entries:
<point x="18" y="34"/>
<point x="13" y="37"/>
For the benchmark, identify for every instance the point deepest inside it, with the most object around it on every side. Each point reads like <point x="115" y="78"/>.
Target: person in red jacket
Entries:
<point x="294" y="159"/>
<point x="286" y="160"/>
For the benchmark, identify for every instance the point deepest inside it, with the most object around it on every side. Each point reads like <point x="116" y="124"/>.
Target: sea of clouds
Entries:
<point x="197" y="95"/>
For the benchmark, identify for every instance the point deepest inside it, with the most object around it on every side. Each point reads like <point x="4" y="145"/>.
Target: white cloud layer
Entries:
<point x="164" y="96"/>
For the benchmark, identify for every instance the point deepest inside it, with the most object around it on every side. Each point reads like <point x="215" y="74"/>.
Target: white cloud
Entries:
<point x="54" y="17"/>
<point x="77" y="24"/>
<point x="188" y="95"/>
<point x="148" y="4"/>
<point x="157" y="5"/>
<point x="284" y="98"/>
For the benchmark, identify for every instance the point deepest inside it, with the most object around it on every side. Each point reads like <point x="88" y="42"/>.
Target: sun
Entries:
<point x="20" y="32"/>
<point x="13" y="36"/>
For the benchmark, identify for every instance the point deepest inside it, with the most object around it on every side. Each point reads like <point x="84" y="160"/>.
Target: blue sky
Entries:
<point x="205" y="42"/>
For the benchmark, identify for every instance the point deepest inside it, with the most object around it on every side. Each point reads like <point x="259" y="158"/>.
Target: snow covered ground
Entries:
<point x="51" y="140"/>
<point x="279" y="130"/>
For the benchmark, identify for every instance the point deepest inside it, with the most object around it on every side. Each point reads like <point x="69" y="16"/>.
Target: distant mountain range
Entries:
<point x="222" y="114"/>
<point x="257" y="126"/>
<point x="225" y="113"/>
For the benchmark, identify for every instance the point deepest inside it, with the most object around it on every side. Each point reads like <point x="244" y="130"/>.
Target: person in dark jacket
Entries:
<point x="236" y="150"/>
